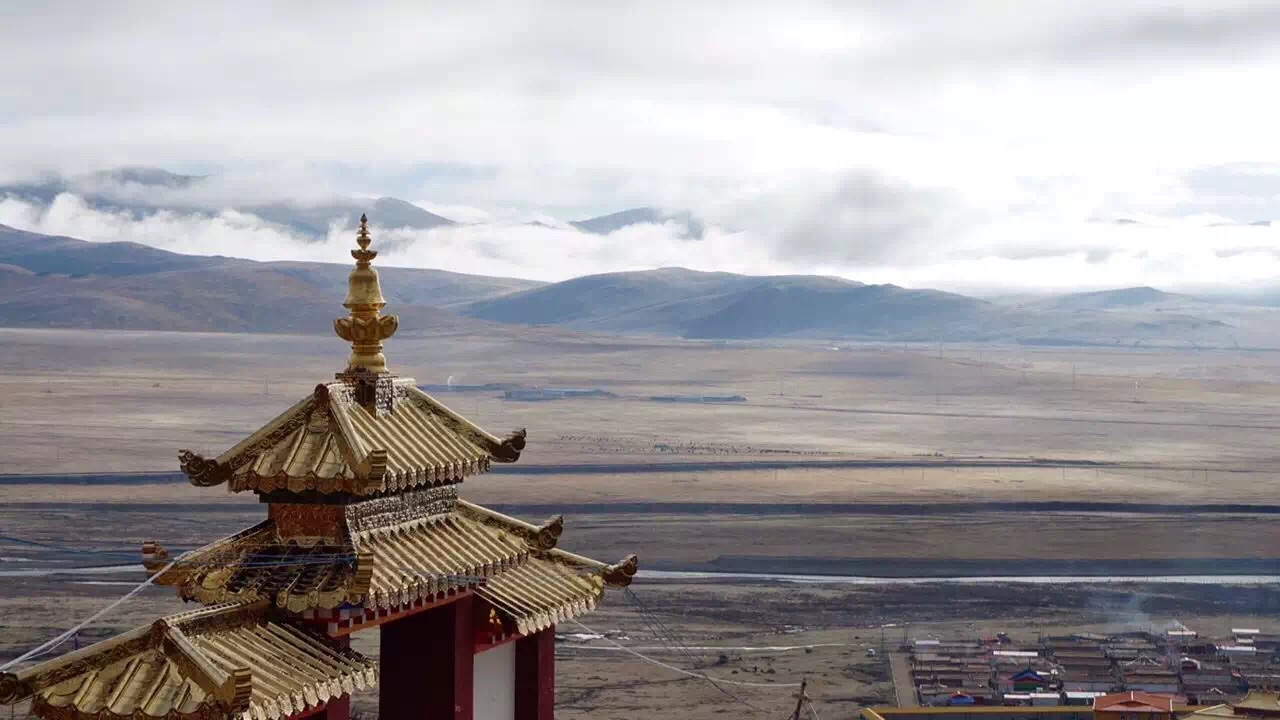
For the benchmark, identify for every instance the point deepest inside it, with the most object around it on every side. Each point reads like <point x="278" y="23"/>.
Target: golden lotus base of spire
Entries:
<point x="365" y="328"/>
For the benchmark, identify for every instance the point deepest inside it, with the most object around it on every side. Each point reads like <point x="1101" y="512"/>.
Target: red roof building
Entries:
<point x="1133" y="705"/>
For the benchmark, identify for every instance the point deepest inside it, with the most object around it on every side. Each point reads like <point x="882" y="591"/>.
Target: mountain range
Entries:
<point x="141" y="191"/>
<point x="64" y="282"/>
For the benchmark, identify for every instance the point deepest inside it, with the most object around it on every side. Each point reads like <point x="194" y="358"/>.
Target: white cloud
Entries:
<point x="1196" y="253"/>
<point x="944" y="145"/>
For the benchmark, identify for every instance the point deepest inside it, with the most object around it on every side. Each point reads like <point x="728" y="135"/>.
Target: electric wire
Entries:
<point x="661" y="631"/>
<point x="680" y="670"/>
<point x="48" y="646"/>
<point x="651" y="619"/>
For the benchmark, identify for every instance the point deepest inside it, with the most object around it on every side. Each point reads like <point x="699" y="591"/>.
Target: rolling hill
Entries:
<point x="686" y="303"/>
<point x="661" y="301"/>
<point x="63" y="282"/>
<point x="1121" y="298"/>
<point x="676" y="301"/>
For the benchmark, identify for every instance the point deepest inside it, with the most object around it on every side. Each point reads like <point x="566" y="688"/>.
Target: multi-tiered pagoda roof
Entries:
<point x="364" y="524"/>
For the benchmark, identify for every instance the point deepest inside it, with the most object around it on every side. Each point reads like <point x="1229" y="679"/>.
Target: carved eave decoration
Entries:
<point x="621" y="573"/>
<point x="538" y="537"/>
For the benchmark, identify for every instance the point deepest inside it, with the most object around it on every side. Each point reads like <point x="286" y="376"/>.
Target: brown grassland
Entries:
<point x="950" y="424"/>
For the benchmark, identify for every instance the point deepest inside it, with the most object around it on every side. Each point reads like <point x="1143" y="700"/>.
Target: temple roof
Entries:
<point x="392" y="552"/>
<point x="211" y="664"/>
<point x="330" y="442"/>
<point x="369" y="432"/>
<point x="548" y="588"/>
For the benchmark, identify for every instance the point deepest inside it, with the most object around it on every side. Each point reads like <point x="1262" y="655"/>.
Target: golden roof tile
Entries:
<point x="423" y="558"/>
<point x="548" y="588"/>
<point x="219" y="662"/>
<point x="394" y="551"/>
<point x="332" y="442"/>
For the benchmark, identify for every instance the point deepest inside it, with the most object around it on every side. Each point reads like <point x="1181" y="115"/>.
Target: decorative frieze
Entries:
<point x="307" y="523"/>
<point x="400" y="508"/>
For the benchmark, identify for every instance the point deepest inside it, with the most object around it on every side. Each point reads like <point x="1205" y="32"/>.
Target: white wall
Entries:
<point x="495" y="683"/>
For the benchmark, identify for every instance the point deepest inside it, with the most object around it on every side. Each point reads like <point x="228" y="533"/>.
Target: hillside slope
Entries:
<point x="676" y="301"/>
<point x="63" y="282"/>
<point x="685" y="303"/>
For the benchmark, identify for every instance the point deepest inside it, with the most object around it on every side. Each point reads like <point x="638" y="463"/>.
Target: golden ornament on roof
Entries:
<point x="365" y="328"/>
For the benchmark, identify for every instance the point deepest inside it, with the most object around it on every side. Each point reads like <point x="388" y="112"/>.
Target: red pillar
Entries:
<point x="339" y="708"/>
<point x="426" y="665"/>
<point x="536" y="676"/>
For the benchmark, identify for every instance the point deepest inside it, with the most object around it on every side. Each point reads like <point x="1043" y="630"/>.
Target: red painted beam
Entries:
<point x="493" y="641"/>
<point x="374" y="617"/>
<point x="536" y="676"/>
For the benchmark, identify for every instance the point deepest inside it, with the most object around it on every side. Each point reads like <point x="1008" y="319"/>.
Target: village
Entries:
<point x="1085" y="669"/>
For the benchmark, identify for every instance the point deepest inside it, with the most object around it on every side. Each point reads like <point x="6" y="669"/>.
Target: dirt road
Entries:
<point x="905" y="690"/>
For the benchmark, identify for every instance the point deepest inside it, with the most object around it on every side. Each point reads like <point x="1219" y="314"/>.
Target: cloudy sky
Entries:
<point x="965" y="145"/>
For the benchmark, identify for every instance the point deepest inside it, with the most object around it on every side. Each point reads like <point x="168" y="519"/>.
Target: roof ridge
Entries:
<point x="506" y="449"/>
<point x="538" y="537"/>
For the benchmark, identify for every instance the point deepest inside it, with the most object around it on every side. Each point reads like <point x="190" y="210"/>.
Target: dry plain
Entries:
<point x="845" y="452"/>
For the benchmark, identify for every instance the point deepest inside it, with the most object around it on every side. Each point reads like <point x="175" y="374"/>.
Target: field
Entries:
<point x="849" y="460"/>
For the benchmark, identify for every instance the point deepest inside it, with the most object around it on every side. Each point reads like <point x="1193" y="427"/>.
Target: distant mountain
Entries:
<point x="652" y="301"/>
<point x="63" y="282"/>
<point x="116" y="189"/>
<point x="685" y="303"/>
<point x="605" y="224"/>
<point x="125" y="190"/>
<point x="805" y="306"/>
<point x="676" y="301"/>
<point x="1111" y="299"/>
<point x="314" y="220"/>
<point x="67" y="256"/>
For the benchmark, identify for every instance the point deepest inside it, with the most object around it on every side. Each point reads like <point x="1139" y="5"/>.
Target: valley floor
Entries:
<point x="850" y="460"/>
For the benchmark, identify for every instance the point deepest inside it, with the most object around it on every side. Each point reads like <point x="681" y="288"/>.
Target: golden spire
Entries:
<point x="365" y="328"/>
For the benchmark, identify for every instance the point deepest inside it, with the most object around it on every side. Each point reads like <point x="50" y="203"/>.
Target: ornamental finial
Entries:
<point x="362" y="236"/>
<point x="365" y="328"/>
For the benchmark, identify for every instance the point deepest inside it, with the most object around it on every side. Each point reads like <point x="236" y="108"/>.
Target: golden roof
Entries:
<point x="366" y="434"/>
<point x="1214" y="711"/>
<point x="548" y="588"/>
<point x="397" y="550"/>
<point x="211" y="664"/>
<point x="332" y="443"/>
